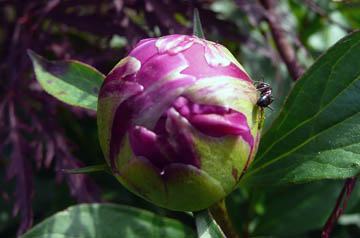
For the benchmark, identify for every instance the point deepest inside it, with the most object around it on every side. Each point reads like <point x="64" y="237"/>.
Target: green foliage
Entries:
<point x="295" y="212"/>
<point x="89" y="169"/>
<point x="108" y="221"/>
<point x="286" y="211"/>
<point x="71" y="82"/>
<point x="317" y="133"/>
<point x="206" y="226"/>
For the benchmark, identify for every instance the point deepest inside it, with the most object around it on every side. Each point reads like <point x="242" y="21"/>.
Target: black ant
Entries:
<point x="266" y="97"/>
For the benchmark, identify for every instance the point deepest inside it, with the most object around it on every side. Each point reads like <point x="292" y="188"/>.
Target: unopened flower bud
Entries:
<point x="178" y="121"/>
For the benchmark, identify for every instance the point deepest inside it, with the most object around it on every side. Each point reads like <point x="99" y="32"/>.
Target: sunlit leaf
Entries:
<point x="317" y="133"/>
<point x="71" y="82"/>
<point x="108" y="221"/>
<point x="206" y="226"/>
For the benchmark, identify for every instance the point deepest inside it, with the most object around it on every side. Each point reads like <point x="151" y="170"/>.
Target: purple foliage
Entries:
<point x="19" y="167"/>
<point x="80" y="185"/>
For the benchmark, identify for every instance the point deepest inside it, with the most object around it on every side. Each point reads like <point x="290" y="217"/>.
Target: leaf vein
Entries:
<point x="309" y="119"/>
<point x="299" y="146"/>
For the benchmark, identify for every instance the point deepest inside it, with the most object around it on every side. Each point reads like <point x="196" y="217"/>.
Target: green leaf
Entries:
<point x="108" y="221"/>
<point x="89" y="169"/>
<point x="290" y="209"/>
<point x="197" y="28"/>
<point x="206" y="226"/>
<point x="286" y="210"/>
<point x="317" y="133"/>
<point x="71" y="82"/>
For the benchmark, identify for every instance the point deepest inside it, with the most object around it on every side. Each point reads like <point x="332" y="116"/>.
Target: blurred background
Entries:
<point x="40" y="136"/>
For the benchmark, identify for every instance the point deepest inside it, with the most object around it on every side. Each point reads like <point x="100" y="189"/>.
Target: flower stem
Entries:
<point x="221" y="216"/>
<point x="339" y="207"/>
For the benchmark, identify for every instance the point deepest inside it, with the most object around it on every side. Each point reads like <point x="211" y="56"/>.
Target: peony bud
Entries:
<point x="178" y="121"/>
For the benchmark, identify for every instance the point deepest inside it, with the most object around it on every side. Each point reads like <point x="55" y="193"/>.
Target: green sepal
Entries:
<point x="89" y="169"/>
<point x="197" y="28"/>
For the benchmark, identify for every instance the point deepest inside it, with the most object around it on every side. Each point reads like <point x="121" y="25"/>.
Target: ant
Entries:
<point x="266" y="97"/>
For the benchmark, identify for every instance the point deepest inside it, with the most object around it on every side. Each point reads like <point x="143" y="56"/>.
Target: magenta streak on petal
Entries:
<point x="144" y="50"/>
<point x="119" y="85"/>
<point x="182" y="141"/>
<point x="215" y="56"/>
<point x="153" y="103"/>
<point x="174" y="44"/>
<point x="173" y="146"/>
<point x="214" y="121"/>
<point x="121" y="81"/>
<point x="122" y="89"/>
<point x="160" y="125"/>
<point x="251" y="154"/>
<point x="121" y="123"/>
<point x="207" y="109"/>
<point x="199" y="67"/>
<point x="221" y="125"/>
<point x="160" y="66"/>
<point x="153" y="147"/>
<point x="162" y="83"/>
<point x="123" y="115"/>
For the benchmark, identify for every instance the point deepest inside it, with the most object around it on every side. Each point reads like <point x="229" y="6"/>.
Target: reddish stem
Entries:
<point x="286" y="51"/>
<point x="336" y="213"/>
